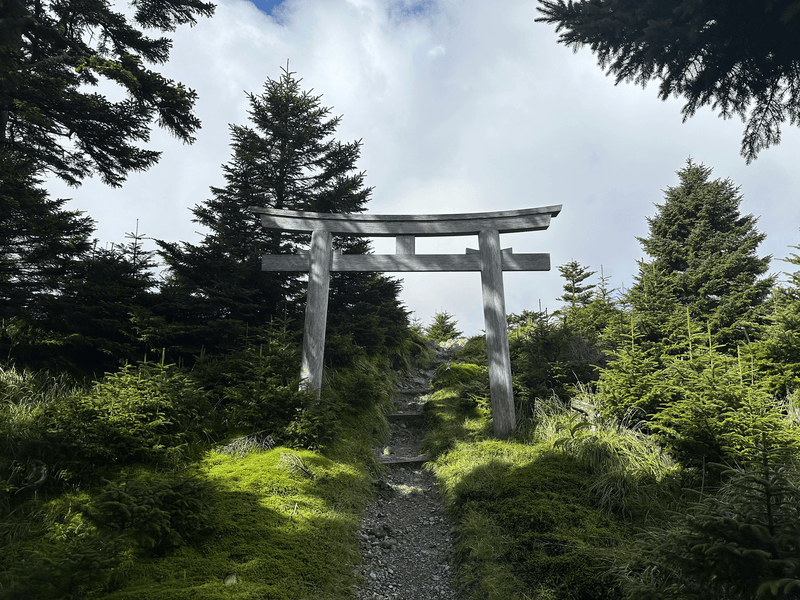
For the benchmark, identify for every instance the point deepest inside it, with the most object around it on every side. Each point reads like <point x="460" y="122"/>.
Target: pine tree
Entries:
<point x="53" y="52"/>
<point x="707" y="248"/>
<point x="39" y="240"/>
<point x="64" y="303"/>
<point x="778" y="353"/>
<point x="93" y="313"/>
<point x="586" y="314"/>
<point x="287" y="158"/>
<point x="632" y="385"/>
<point x="603" y="312"/>
<point x="738" y="56"/>
<point x="793" y="288"/>
<point x="443" y="327"/>
<point x="575" y="293"/>
<point x="737" y="544"/>
<point x="658" y="316"/>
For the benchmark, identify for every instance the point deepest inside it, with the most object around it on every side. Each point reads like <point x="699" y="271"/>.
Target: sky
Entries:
<point x="461" y="106"/>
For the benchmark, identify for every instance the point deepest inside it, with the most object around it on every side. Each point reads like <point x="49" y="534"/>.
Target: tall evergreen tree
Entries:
<point x="657" y="315"/>
<point x="286" y="159"/>
<point x="53" y="51"/>
<point x="39" y="240"/>
<point x="704" y="245"/>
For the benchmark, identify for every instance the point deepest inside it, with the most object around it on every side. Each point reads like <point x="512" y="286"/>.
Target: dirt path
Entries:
<point x="406" y="540"/>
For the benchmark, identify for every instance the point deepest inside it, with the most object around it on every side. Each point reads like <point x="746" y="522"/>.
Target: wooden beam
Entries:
<point x="369" y="225"/>
<point x="400" y="263"/>
<point x="319" y="281"/>
<point x="494" y="315"/>
<point x="405" y="244"/>
<point x="503" y="251"/>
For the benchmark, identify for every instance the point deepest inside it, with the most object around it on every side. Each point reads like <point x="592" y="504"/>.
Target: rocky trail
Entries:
<point x="406" y="539"/>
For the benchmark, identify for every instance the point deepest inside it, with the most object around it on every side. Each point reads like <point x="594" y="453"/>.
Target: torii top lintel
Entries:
<point x="372" y="225"/>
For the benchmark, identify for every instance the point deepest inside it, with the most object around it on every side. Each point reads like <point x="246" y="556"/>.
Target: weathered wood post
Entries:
<point x="319" y="283"/>
<point x="494" y="316"/>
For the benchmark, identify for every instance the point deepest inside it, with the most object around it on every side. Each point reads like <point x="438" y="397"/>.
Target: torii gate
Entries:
<point x="489" y="259"/>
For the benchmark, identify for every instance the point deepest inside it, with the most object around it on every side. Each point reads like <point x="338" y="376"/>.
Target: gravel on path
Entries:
<point x="406" y="539"/>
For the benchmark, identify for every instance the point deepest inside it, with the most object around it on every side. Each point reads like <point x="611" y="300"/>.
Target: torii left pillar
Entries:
<point x="319" y="282"/>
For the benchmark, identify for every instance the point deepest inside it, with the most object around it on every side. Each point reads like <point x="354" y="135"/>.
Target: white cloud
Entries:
<point x="504" y="117"/>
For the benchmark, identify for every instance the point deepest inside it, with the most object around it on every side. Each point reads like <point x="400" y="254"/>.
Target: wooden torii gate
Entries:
<point x="489" y="259"/>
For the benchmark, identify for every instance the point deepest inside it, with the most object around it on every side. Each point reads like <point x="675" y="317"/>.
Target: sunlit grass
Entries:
<point x="284" y="534"/>
<point x="23" y="394"/>
<point x="632" y="476"/>
<point x="541" y="516"/>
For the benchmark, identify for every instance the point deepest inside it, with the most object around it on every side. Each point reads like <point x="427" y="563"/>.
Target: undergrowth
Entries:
<point x="160" y="482"/>
<point x="542" y="516"/>
<point x="280" y="531"/>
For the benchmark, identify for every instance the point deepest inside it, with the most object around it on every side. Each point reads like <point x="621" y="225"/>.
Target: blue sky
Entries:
<point x="266" y="6"/>
<point x="460" y="107"/>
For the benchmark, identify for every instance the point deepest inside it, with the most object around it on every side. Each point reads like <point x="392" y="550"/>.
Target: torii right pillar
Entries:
<point x="494" y="316"/>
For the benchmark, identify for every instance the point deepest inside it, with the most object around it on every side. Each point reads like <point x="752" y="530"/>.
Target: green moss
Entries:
<point x="452" y="416"/>
<point x="527" y="522"/>
<point x="285" y="535"/>
<point x="473" y="351"/>
<point x="453" y="375"/>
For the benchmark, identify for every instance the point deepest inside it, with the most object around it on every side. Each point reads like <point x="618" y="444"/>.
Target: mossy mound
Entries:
<point x="285" y="528"/>
<point x="528" y="523"/>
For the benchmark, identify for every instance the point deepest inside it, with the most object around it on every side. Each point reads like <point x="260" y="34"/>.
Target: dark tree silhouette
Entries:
<point x="741" y="57"/>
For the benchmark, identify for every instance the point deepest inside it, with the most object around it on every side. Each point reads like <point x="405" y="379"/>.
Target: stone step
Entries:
<point x="415" y="391"/>
<point x="397" y="462"/>
<point x="411" y="419"/>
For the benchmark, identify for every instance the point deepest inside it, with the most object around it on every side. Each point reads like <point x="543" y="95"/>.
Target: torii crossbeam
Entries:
<point x="489" y="259"/>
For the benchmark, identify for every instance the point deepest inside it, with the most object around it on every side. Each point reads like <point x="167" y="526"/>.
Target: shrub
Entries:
<point x="143" y="414"/>
<point x="715" y="416"/>
<point x="739" y="544"/>
<point x="550" y="357"/>
<point x="347" y="394"/>
<point x="156" y="512"/>
<point x="70" y="560"/>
